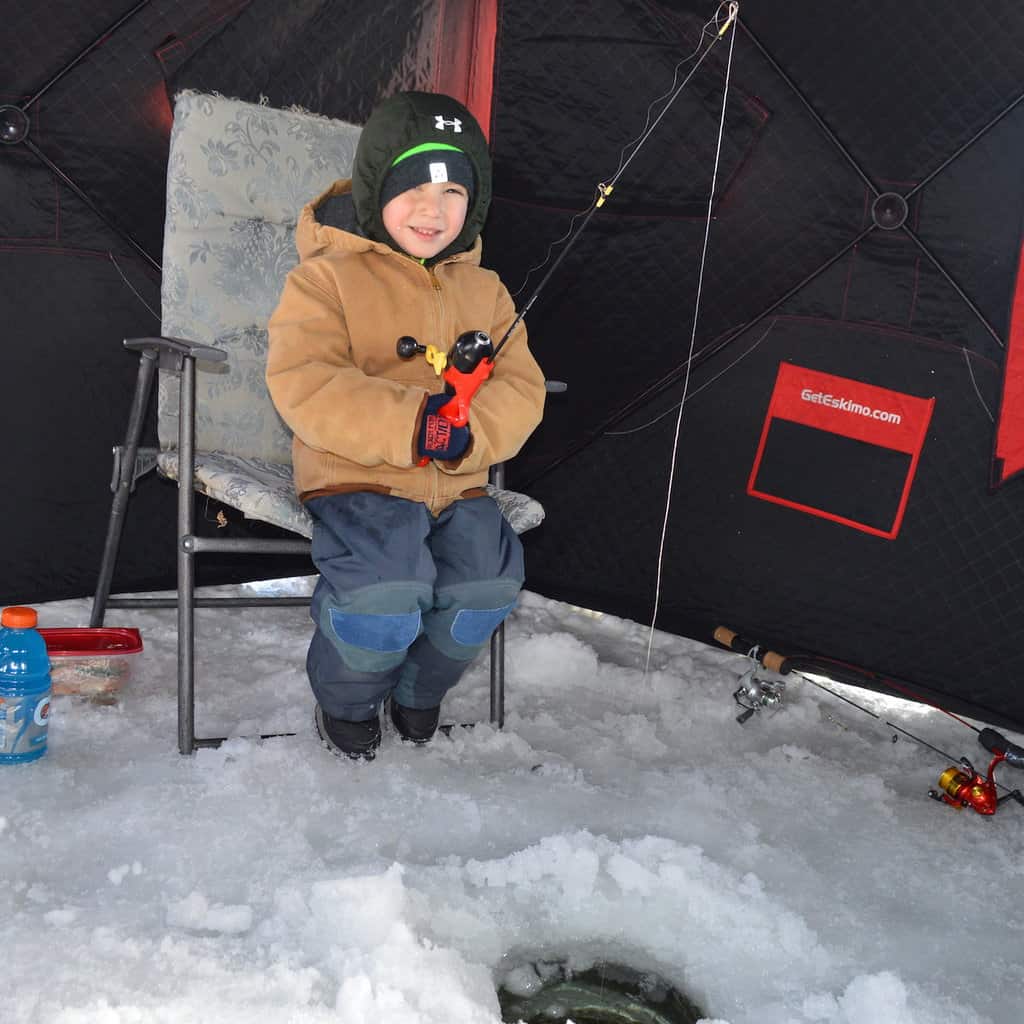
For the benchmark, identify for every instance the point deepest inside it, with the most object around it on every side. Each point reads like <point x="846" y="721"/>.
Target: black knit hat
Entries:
<point x="429" y="162"/>
<point x="411" y="121"/>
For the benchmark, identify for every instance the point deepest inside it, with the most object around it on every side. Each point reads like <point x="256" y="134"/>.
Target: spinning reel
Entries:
<point x="758" y="689"/>
<point x="963" y="786"/>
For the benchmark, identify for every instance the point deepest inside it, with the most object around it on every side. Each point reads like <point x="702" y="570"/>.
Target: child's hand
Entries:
<point x="438" y="439"/>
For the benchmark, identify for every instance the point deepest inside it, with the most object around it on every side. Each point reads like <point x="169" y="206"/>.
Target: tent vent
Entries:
<point x="889" y="211"/>
<point x="13" y="125"/>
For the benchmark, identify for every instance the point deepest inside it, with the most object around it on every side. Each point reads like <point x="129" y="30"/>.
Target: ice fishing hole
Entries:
<point x="550" y="992"/>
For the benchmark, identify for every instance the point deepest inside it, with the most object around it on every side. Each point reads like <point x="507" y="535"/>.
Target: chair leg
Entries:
<point x="497" y="479"/>
<point x="186" y="561"/>
<point x="186" y="645"/>
<point x="125" y="482"/>
<point x="498" y="676"/>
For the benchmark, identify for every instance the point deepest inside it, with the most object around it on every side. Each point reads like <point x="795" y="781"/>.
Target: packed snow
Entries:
<point x="792" y="869"/>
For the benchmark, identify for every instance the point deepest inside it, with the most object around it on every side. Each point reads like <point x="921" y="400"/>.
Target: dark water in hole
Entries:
<point x="603" y="994"/>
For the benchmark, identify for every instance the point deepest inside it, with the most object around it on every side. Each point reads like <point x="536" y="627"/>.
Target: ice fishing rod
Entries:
<point x="605" y="189"/>
<point x="960" y="785"/>
<point x="471" y="359"/>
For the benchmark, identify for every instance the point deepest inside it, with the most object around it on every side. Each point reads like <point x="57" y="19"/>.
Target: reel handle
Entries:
<point x="407" y="347"/>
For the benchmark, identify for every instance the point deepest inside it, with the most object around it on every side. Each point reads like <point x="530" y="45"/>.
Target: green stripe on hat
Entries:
<point x="424" y="147"/>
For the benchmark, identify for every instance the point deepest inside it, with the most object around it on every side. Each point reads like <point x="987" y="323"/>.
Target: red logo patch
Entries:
<point x="439" y="433"/>
<point x="877" y="419"/>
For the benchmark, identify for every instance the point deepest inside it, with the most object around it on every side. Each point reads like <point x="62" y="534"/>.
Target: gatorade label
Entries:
<point x="23" y="724"/>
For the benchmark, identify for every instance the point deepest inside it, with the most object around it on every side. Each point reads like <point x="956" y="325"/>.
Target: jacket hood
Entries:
<point x="401" y="122"/>
<point x="328" y="224"/>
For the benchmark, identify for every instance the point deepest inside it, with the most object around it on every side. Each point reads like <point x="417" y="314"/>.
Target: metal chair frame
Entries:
<point x="131" y="462"/>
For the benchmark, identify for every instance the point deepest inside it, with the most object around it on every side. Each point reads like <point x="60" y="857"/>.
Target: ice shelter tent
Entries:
<point x="847" y="479"/>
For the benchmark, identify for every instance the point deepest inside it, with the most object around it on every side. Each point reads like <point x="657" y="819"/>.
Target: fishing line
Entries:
<point x="693" y="394"/>
<point x="733" y="13"/>
<point x="657" y="419"/>
<point x="131" y="287"/>
<point x="606" y="188"/>
<point x="732" y="9"/>
<point x="974" y="383"/>
<point x="712" y="28"/>
<point x="644" y="132"/>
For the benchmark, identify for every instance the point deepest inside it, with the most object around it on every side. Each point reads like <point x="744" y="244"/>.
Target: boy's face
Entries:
<point x="426" y="219"/>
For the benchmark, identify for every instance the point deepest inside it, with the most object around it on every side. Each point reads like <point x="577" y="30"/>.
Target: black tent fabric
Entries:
<point x="87" y="116"/>
<point x="864" y="248"/>
<point x="869" y="101"/>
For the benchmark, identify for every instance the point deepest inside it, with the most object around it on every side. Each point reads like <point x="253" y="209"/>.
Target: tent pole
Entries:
<point x="99" y="40"/>
<point x="967" y="145"/>
<point x="818" y="119"/>
<point x="951" y="281"/>
<point x="47" y="162"/>
<point x="862" y="174"/>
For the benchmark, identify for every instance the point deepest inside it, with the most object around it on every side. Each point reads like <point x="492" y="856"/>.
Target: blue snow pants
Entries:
<point x="406" y="599"/>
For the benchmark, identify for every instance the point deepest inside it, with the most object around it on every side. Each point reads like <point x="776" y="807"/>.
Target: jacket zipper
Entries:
<point x="441" y="342"/>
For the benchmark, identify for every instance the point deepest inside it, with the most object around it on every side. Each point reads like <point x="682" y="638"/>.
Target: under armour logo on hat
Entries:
<point x="440" y="123"/>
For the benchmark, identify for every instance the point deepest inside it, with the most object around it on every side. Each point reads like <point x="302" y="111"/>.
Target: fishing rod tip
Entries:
<point x="734" y="9"/>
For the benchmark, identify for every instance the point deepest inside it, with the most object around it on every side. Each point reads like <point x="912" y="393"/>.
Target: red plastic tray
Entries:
<point x="81" y="642"/>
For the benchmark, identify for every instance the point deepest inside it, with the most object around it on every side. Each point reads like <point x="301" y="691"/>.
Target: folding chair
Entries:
<point x="238" y="175"/>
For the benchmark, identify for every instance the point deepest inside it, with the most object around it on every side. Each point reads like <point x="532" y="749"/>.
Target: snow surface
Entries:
<point x="789" y="870"/>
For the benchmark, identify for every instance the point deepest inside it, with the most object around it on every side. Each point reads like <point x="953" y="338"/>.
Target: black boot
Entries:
<point x="417" y="725"/>
<point x="358" y="740"/>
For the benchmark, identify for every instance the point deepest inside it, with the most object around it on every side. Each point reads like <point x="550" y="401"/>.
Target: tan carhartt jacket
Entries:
<point x="353" y="405"/>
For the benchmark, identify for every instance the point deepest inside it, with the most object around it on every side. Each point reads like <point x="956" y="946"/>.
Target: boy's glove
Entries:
<point x="438" y="439"/>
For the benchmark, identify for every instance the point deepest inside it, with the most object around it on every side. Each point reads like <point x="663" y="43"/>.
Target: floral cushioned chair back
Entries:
<point x="238" y="174"/>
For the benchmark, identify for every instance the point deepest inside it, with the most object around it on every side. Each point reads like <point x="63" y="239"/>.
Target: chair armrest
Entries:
<point x="183" y="355"/>
<point x="177" y="347"/>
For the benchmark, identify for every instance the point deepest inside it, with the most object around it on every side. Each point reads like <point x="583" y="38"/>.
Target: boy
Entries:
<point x="417" y="565"/>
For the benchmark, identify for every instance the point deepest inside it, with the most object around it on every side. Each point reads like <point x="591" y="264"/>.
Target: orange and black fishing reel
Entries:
<point x="963" y="786"/>
<point x="464" y="369"/>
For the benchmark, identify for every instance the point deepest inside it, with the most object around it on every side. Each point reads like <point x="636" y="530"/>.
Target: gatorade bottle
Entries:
<point x="24" y="687"/>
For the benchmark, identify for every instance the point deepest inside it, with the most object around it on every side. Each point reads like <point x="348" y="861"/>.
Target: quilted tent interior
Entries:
<point x="866" y="227"/>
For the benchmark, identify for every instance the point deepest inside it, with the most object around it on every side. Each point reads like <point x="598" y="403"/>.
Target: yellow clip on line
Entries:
<point x="734" y="9"/>
<point x="437" y="359"/>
